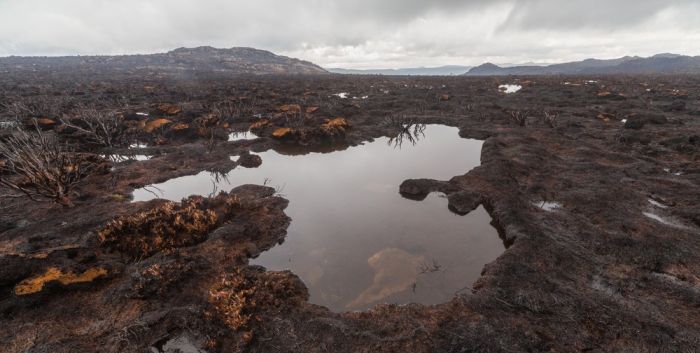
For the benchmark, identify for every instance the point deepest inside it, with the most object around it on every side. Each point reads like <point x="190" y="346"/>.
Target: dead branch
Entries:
<point x="550" y="118"/>
<point x="519" y="117"/>
<point x="104" y="128"/>
<point x="407" y="130"/>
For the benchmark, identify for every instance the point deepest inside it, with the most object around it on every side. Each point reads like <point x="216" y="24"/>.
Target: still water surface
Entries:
<point x="353" y="239"/>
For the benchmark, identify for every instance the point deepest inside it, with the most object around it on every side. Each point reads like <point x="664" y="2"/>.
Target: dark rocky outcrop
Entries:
<point x="178" y="61"/>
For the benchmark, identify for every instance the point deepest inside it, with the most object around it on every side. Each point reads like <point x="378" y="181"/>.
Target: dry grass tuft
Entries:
<point x="242" y="298"/>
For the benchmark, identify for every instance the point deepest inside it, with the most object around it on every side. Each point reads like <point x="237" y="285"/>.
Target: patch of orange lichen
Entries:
<point x="36" y="284"/>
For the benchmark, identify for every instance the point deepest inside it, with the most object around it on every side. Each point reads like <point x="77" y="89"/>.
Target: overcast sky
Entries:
<point x="358" y="33"/>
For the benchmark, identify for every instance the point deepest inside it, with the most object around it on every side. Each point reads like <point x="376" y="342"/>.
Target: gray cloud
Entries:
<point x="360" y="33"/>
<point x="596" y="14"/>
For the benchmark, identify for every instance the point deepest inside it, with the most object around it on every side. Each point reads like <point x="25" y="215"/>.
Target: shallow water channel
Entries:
<point x="353" y="239"/>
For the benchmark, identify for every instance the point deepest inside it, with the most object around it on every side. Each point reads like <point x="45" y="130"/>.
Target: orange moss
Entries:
<point x="36" y="284"/>
<point x="242" y="298"/>
<point x="337" y="122"/>
<point x="290" y="108"/>
<point x="180" y="126"/>
<point x="170" y="109"/>
<point x="282" y="132"/>
<point x="259" y="124"/>
<point x="334" y="127"/>
<point x="152" y="125"/>
<point x="168" y="226"/>
<point x="45" y="122"/>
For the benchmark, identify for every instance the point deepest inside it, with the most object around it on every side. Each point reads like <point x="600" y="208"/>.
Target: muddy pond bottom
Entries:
<point x="353" y="240"/>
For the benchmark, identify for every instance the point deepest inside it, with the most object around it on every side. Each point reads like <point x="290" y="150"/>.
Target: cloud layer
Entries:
<point x="359" y="33"/>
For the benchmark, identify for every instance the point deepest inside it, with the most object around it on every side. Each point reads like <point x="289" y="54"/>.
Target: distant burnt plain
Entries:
<point x="592" y="183"/>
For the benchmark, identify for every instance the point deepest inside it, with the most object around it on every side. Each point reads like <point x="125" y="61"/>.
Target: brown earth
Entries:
<point x="591" y="275"/>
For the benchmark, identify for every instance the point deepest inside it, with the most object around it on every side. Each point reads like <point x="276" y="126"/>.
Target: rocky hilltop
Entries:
<point x="633" y="65"/>
<point x="202" y="59"/>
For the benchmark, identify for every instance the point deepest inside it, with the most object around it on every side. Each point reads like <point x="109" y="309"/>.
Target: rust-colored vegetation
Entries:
<point x="168" y="226"/>
<point x="239" y="299"/>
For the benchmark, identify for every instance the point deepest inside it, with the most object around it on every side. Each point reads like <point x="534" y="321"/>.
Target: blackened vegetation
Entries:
<point x="519" y="117"/>
<point x="91" y="125"/>
<point x="407" y="130"/>
<point x="36" y="165"/>
<point x="607" y="270"/>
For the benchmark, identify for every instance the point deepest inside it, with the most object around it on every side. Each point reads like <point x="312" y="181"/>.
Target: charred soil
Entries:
<point x="592" y="182"/>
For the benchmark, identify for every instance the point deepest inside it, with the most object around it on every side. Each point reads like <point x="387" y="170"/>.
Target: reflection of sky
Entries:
<point x="241" y="136"/>
<point x="345" y="207"/>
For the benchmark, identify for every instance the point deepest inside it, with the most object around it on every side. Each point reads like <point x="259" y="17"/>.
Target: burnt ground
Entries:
<point x="592" y="274"/>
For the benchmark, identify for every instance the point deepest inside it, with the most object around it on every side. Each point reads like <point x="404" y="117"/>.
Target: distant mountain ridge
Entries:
<point x="237" y="60"/>
<point x="658" y="64"/>
<point x="447" y="70"/>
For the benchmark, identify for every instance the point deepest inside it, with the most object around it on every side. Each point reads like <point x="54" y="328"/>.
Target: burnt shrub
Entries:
<point x="168" y="226"/>
<point x="37" y="166"/>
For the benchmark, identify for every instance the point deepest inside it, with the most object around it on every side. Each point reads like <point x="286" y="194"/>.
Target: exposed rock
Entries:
<point x="463" y="202"/>
<point x="418" y="189"/>
<point x="676" y="106"/>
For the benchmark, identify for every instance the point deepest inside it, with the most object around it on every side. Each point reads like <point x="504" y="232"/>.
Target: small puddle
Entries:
<point x="242" y="136"/>
<point x="137" y="145"/>
<point x="547" y="205"/>
<point x="353" y="240"/>
<point x="342" y="95"/>
<point x="507" y="89"/>
<point x="664" y="221"/>
<point x="121" y="158"/>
